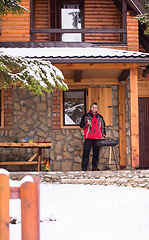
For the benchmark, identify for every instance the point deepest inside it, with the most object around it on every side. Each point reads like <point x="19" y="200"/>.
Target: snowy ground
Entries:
<point x="89" y="212"/>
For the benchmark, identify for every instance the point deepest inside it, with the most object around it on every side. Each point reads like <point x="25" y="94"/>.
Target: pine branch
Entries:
<point x="34" y="75"/>
<point x="11" y="6"/>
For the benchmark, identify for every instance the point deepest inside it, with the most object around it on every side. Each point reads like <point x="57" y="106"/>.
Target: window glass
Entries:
<point x="74" y="106"/>
<point x="71" y="19"/>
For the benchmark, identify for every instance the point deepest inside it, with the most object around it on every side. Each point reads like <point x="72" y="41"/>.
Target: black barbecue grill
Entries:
<point x="110" y="142"/>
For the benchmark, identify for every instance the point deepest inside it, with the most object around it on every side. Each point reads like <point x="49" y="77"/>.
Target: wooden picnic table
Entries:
<point x="39" y="146"/>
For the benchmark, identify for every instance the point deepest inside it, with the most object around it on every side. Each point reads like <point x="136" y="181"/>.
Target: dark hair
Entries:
<point x="94" y="103"/>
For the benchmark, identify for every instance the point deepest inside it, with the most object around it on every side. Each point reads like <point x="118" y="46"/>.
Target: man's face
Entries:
<point x="94" y="108"/>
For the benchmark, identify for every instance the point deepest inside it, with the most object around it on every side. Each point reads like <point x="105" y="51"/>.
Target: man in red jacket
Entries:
<point x="94" y="128"/>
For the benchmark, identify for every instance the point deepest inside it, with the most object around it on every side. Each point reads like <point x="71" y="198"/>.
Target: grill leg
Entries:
<point x="115" y="157"/>
<point x="110" y="153"/>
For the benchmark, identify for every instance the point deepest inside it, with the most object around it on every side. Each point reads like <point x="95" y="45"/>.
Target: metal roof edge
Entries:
<point x="97" y="60"/>
<point x="138" y="6"/>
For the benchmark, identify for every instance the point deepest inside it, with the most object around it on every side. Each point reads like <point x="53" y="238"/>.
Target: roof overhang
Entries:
<point x="79" y="55"/>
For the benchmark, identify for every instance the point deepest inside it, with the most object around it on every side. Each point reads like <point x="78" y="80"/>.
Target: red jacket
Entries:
<point x="97" y="129"/>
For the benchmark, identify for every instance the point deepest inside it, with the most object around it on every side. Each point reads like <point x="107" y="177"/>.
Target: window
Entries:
<point x="1" y="109"/>
<point x="58" y="14"/>
<point x="74" y="107"/>
<point x="76" y="102"/>
<point x="71" y="19"/>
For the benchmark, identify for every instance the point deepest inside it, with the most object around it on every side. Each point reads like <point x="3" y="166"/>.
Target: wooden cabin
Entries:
<point x="102" y="51"/>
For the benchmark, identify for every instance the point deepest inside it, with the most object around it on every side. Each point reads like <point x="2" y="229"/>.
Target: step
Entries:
<point x="138" y="178"/>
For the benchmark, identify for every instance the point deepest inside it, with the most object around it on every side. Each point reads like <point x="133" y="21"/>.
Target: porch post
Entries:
<point x="134" y="117"/>
<point x="122" y="125"/>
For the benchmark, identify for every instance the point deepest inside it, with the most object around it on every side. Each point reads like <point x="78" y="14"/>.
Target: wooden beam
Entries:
<point x="83" y="66"/>
<point x="92" y="81"/>
<point x="25" y="145"/>
<point x="122" y="126"/>
<point x="145" y="72"/>
<point x="39" y="159"/>
<point x="20" y="163"/>
<point x="124" y="75"/>
<point x="78" y="75"/>
<point x="33" y="157"/>
<point x="124" y="20"/>
<point x="83" y="30"/>
<point x="32" y="7"/>
<point x="134" y="117"/>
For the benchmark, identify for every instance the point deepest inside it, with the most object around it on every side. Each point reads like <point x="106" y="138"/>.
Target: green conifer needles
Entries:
<point x="34" y="75"/>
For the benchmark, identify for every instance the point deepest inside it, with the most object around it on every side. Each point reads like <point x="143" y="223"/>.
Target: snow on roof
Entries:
<point x="71" y="52"/>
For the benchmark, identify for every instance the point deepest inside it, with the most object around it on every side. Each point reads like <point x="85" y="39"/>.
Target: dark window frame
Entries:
<point x="73" y="2"/>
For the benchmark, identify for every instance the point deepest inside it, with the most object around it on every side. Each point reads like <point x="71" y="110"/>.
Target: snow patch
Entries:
<point x="14" y="183"/>
<point x="4" y="171"/>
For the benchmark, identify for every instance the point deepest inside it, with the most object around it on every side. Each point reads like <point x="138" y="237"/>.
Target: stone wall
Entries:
<point x="127" y="178"/>
<point x="32" y="117"/>
<point x="67" y="145"/>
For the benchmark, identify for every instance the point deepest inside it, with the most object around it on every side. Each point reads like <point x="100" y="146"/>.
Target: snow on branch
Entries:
<point x="35" y="75"/>
<point x="11" y="6"/>
<point x="144" y="19"/>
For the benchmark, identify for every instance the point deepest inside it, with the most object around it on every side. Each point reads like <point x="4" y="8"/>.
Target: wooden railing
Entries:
<point x="82" y="31"/>
<point x="28" y="192"/>
<point x="37" y="30"/>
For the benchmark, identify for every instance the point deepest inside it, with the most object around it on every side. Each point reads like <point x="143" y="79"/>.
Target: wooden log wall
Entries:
<point x="102" y="14"/>
<point x="144" y="132"/>
<point x="16" y="28"/>
<point x="143" y="83"/>
<point x="41" y="19"/>
<point x="98" y="14"/>
<point x="132" y="33"/>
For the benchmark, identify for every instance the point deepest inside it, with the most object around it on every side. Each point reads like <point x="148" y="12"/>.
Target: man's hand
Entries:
<point x="89" y="122"/>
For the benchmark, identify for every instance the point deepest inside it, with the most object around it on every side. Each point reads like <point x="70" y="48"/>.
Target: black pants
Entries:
<point x="88" y="143"/>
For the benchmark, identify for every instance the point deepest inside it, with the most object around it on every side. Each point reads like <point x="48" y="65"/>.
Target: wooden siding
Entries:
<point x="144" y="132"/>
<point x="102" y="14"/>
<point x="132" y="33"/>
<point x="16" y="27"/>
<point x="143" y="83"/>
<point x="98" y="14"/>
<point x="103" y="96"/>
<point x="41" y="19"/>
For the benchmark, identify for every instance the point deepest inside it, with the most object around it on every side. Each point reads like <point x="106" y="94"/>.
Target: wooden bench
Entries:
<point x="39" y="146"/>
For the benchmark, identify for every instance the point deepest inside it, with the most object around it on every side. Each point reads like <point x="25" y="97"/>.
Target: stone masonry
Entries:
<point x="139" y="178"/>
<point x="32" y="117"/>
